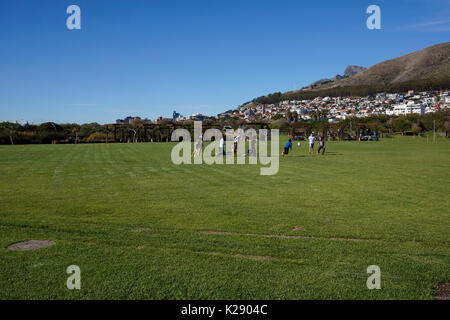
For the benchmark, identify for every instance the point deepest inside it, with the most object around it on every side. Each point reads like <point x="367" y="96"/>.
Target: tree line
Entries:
<point x="413" y="124"/>
<point x="50" y="132"/>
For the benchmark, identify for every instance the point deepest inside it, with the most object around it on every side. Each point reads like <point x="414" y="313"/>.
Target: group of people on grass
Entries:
<point x="252" y="148"/>
<point x="311" y="141"/>
<point x="250" y="153"/>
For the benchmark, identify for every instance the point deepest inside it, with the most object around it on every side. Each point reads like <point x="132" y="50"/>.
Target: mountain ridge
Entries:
<point x="426" y="69"/>
<point x="349" y="71"/>
<point x="431" y="62"/>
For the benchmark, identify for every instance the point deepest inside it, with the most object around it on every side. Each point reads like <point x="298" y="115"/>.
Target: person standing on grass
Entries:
<point x="221" y="145"/>
<point x="287" y="147"/>
<point x="321" y="145"/>
<point x="198" y="146"/>
<point x="236" y="141"/>
<point x="311" y="139"/>
<point x="252" y="148"/>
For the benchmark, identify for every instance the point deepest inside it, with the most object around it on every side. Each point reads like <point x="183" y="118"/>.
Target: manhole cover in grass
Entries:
<point x="30" y="245"/>
<point x="443" y="292"/>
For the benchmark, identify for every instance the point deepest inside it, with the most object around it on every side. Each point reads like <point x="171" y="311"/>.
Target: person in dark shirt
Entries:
<point x="321" y="145"/>
<point x="287" y="147"/>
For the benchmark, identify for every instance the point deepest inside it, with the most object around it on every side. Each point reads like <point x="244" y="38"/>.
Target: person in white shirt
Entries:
<point x="311" y="139"/>
<point x="236" y="141"/>
<point x="221" y="144"/>
<point x="198" y="146"/>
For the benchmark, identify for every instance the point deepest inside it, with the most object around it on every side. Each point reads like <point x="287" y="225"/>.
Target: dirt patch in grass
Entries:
<point x="239" y="255"/>
<point x="223" y="233"/>
<point x="144" y="229"/>
<point x="298" y="229"/>
<point x="253" y="257"/>
<point x="443" y="292"/>
<point x="30" y="245"/>
<point x="214" y="253"/>
<point x="277" y="236"/>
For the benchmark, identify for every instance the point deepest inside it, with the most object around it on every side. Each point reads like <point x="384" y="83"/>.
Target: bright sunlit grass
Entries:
<point x="141" y="227"/>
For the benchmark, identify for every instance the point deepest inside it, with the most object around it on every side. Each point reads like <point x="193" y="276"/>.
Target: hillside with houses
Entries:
<point x="335" y="109"/>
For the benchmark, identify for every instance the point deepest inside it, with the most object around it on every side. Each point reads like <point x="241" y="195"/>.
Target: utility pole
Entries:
<point x="10" y="136"/>
<point x="434" y="131"/>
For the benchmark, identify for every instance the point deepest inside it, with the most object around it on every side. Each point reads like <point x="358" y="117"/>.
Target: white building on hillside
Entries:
<point x="410" y="108"/>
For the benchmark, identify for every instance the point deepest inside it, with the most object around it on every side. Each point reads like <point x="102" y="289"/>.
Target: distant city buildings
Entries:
<point x="127" y="120"/>
<point x="335" y="109"/>
<point x="331" y="109"/>
<point x="407" y="108"/>
<point x="175" y="115"/>
<point x="197" y="117"/>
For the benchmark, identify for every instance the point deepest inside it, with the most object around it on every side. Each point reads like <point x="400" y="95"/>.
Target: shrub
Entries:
<point x="96" y="137"/>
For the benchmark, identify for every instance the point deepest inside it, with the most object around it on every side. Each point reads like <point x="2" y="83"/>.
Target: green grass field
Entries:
<point x="140" y="227"/>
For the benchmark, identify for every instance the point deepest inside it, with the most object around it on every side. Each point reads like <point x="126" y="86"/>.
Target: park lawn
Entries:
<point x="140" y="227"/>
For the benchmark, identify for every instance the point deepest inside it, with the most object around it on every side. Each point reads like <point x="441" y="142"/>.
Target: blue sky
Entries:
<point x="147" y="58"/>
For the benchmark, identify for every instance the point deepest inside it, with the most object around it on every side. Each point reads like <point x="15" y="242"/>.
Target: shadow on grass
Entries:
<point x="315" y="154"/>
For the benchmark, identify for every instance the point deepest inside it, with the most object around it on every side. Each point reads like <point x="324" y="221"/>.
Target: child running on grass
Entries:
<point x="287" y="147"/>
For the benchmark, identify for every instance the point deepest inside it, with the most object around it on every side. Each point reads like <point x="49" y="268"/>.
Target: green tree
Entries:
<point x="416" y="129"/>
